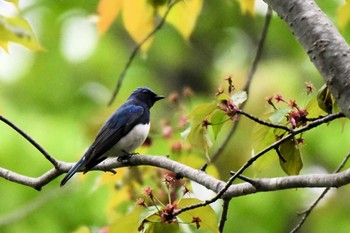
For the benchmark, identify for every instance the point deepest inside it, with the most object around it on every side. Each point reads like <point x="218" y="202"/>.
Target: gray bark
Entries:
<point x="323" y="43"/>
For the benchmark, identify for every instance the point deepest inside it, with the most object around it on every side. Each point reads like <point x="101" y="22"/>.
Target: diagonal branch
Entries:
<point x="29" y="139"/>
<point x="307" y="212"/>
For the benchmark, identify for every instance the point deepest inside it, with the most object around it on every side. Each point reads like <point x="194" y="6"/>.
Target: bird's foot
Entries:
<point x="125" y="158"/>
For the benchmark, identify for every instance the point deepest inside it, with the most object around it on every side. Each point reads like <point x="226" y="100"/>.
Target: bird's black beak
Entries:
<point x="159" y="97"/>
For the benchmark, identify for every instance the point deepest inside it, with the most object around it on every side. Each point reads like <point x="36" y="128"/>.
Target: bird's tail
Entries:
<point x="73" y="170"/>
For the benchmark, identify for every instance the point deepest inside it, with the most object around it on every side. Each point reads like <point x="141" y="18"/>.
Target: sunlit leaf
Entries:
<point x="343" y="15"/>
<point x="17" y="30"/>
<point x="82" y="229"/>
<point x="206" y="214"/>
<point x="262" y="137"/>
<point x="324" y="99"/>
<point x="239" y="97"/>
<point x="4" y="44"/>
<point x="107" y="10"/>
<point x="128" y="223"/>
<point x="183" y="16"/>
<point x="138" y="17"/>
<point x="15" y="2"/>
<point x="247" y="6"/>
<point x="313" y="109"/>
<point x="292" y="155"/>
<point x="217" y="121"/>
<point x="277" y="116"/>
<point x="198" y="135"/>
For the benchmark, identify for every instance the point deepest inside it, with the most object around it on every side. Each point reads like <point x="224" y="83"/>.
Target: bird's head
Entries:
<point x="145" y="95"/>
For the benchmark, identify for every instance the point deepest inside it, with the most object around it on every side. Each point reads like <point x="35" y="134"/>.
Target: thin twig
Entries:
<point x="268" y="124"/>
<point x="224" y="213"/>
<point x="30" y="140"/>
<point x="136" y="50"/>
<point x="308" y="211"/>
<point x="250" y="76"/>
<point x="313" y="124"/>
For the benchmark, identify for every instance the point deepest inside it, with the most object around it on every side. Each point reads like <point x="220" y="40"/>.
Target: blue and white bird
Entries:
<point x="125" y="130"/>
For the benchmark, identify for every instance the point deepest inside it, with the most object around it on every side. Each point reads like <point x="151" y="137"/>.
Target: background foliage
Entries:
<point x="59" y="96"/>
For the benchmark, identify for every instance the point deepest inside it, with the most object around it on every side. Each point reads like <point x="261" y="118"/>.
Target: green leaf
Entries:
<point x="206" y="214"/>
<point x="262" y="137"/>
<point x="217" y="120"/>
<point x="313" y="108"/>
<point x="239" y="97"/>
<point x="18" y="30"/>
<point x="198" y="135"/>
<point x="277" y="116"/>
<point x="129" y="222"/>
<point x="324" y="99"/>
<point x="292" y="155"/>
<point x="153" y="224"/>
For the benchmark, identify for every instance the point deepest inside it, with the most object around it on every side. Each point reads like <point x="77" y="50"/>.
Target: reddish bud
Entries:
<point x="309" y="87"/>
<point x="141" y="202"/>
<point x="176" y="147"/>
<point x="182" y="121"/>
<point x="169" y="179"/>
<point x="196" y="220"/>
<point x="168" y="213"/>
<point x="219" y="91"/>
<point x="187" y="91"/>
<point x="279" y="98"/>
<point x="293" y="104"/>
<point x="148" y="191"/>
<point x="205" y="123"/>
<point x="167" y="131"/>
<point x="174" y="98"/>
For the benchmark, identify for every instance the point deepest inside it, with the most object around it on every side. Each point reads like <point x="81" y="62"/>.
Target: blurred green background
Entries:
<point x="59" y="97"/>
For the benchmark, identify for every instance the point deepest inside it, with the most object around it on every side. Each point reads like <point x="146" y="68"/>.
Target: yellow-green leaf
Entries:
<point x="313" y="108"/>
<point x="217" y="121"/>
<point x="183" y="16"/>
<point x="107" y="10"/>
<point x="324" y="99"/>
<point x="15" y="2"/>
<point x="206" y="214"/>
<point x="239" y="97"/>
<point x="343" y="15"/>
<point x="277" y="116"/>
<point x="82" y="229"/>
<point x="18" y="30"/>
<point x="198" y="135"/>
<point x="129" y="222"/>
<point x="292" y="155"/>
<point x="247" y="6"/>
<point x="138" y="17"/>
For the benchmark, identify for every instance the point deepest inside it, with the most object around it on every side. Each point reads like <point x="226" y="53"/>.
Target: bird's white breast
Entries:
<point x="135" y="138"/>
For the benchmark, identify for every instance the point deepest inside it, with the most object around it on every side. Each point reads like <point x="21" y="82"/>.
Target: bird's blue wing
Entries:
<point x="117" y="126"/>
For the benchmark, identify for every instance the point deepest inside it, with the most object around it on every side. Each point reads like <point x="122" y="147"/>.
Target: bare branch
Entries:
<point x="307" y="212"/>
<point x="29" y="139"/>
<point x="137" y="48"/>
<point x="224" y="213"/>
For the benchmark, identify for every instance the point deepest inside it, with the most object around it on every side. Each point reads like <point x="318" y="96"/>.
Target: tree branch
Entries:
<point x="308" y="211"/>
<point x="326" y="48"/>
<point x="29" y="139"/>
<point x="260" y="185"/>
